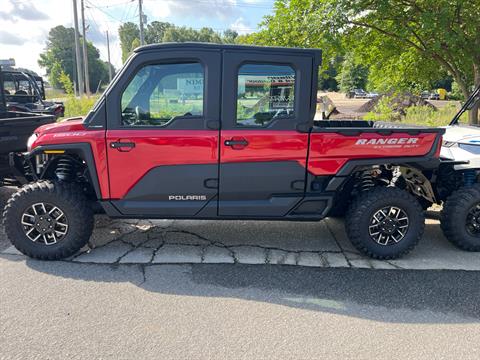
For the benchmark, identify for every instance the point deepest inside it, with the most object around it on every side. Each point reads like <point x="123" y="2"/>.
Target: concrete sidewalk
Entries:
<point x="322" y="244"/>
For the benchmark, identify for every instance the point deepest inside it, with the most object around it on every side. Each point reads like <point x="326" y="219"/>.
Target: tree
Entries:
<point x="66" y="82"/>
<point x="155" y="31"/>
<point x="352" y="75"/>
<point x="425" y="37"/>
<point x="127" y="33"/>
<point x="59" y="56"/>
<point x="404" y="42"/>
<point x="160" y="32"/>
<point x="229" y="36"/>
<point x="55" y="75"/>
<point x="60" y="51"/>
<point x="184" y="34"/>
<point x="290" y="26"/>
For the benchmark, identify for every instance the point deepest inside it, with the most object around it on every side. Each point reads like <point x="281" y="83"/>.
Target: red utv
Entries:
<point x="202" y="131"/>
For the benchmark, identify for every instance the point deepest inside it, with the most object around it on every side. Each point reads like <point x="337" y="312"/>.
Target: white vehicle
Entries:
<point x="461" y="142"/>
<point x="460" y="155"/>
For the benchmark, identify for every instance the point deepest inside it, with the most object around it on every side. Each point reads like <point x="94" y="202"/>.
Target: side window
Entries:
<point x="9" y="87"/>
<point x="265" y="92"/>
<point x="160" y="93"/>
<point x="24" y="87"/>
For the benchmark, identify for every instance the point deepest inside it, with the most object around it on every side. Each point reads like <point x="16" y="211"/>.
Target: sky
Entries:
<point x="24" y="24"/>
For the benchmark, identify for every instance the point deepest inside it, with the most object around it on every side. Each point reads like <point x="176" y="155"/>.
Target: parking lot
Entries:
<point x="238" y="289"/>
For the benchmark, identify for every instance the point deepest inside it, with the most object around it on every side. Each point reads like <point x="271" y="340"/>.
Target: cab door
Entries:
<point x="264" y="136"/>
<point x="162" y="136"/>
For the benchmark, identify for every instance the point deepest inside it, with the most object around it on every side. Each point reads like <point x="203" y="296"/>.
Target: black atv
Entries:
<point x="15" y="129"/>
<point x="25" y="92"/>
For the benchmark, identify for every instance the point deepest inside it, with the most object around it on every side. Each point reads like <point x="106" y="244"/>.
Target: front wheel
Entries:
<point x="460" y="218"/>
<point x="48" y="220"/>
<point x="385" y="222"/>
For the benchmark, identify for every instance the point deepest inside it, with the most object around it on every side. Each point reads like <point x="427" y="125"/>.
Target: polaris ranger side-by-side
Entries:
<point x="202" y="131"/>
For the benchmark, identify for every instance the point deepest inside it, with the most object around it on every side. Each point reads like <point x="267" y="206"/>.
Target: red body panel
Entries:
<point x="155" y="148"/>
<point x="330" y="151"/>
<point x="70" y="132"/>
<point x="265" y="145"/>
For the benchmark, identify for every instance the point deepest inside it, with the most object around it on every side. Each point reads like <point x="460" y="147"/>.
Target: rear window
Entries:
<point x="266" y="92"/>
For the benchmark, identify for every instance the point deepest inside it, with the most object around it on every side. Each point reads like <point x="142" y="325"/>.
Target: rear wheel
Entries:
<point x="48" y="220"/>
<point x="385" y="222"/>
<point x="460" y="218"/>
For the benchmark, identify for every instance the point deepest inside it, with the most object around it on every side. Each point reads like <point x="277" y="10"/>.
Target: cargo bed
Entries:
<point x="358" y="126"/>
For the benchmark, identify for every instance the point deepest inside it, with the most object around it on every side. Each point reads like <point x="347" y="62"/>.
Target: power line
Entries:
<point x="114" y="5"/>
<point x="92" y="17"/>
<point x="90" y="6"/>
<point x="123" y="20"/>
<point x="128" y="9"/>
<point x="265" y="5"/>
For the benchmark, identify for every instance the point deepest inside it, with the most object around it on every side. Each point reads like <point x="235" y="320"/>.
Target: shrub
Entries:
<point x="417" y="115"/>
<point x="79" y="106"/>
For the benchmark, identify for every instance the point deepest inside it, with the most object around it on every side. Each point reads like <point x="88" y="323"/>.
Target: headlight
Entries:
<point x="31" y="140"/>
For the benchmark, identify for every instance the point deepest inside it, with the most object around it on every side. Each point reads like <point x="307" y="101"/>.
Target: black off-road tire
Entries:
<point x="453" y="218"/>
<point x="360" y="214"/>
<point x="67" y="197"/>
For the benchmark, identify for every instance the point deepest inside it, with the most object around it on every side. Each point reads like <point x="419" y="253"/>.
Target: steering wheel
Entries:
<point x="134" y="116"/>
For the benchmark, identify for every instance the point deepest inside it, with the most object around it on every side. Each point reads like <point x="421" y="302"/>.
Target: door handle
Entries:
<point x="122" y="145"/>
<point x="236" y="143"/>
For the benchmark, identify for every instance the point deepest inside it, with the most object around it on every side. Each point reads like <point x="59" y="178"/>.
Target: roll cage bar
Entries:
<point x="471" y="101"/>
<point x="20" y="75"/>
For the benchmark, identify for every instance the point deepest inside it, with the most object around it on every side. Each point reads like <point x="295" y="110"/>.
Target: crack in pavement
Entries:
<point x="153" y="232"/>
<point x="131" y="236"/>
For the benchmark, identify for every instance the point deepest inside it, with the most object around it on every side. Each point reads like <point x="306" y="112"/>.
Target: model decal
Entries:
<point x="388" y="141"/>
<point x="187" y="197"/>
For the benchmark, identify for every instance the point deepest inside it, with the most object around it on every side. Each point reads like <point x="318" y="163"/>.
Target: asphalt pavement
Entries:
<point x="58" y="310"/>
<point x="238" y="290"/>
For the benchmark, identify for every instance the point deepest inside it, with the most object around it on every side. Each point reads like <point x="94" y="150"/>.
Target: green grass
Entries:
<point x="79" y="106"/>
<point x="418" y="115"/>
<point x="54" y="94"/>
<point x="424" y="115"/>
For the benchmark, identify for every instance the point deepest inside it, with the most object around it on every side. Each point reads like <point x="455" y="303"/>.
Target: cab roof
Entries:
<point x="315" y="53"/>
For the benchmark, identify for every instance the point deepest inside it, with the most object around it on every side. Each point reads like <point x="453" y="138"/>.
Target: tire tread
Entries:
<point x="81" y="224"/>
<point x="455" y="203"/>
<point x="362" y="204"/>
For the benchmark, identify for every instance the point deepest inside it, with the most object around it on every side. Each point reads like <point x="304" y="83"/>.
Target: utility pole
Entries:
<point x="85" y="52"/>
<point x="77" y="50"/>
<point x="109" y="63"/>
<point x="140" y="16"/>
